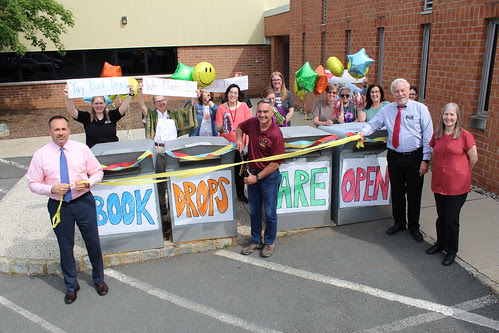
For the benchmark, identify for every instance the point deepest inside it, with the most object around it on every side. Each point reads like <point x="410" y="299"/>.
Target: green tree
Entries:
<point x="35" y="20"/>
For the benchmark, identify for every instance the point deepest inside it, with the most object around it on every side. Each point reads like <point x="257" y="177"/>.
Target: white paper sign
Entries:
<point x="124" y="209"/>
<point x="98" y="87"/>
<point x="202" y="199"/>
<point x="305" y="187"/>
<point x="221" y="85"/>
<point x="364" y="182"/>
<point x="168" y="87"/>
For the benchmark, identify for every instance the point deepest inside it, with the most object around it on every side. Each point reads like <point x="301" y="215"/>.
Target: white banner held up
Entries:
<point x="221" y="85"/>
<point x="168" y="87"/>
<point x="98" y="87"/>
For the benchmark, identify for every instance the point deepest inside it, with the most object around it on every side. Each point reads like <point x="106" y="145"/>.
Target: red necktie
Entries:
<point x="396" y="129"/>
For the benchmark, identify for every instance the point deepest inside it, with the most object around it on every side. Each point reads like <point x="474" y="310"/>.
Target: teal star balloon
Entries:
<point x="358" y="63"/>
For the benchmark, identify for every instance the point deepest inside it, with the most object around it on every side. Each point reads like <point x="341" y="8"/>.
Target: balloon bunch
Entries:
<point x="308" y="80"/>
<point x="203" y="73"/>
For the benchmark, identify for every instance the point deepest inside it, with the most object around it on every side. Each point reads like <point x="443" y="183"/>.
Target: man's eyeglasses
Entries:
<point x="344" y="95"/>
<point x="160" y="100"/>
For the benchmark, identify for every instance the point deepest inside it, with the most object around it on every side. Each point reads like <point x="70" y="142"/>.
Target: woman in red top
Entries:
<point x="229" y="115"/>
<point x="454" y="155"/>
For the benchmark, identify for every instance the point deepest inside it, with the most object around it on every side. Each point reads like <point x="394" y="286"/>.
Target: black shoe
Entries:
<point x="101" y="288"/>
<point x="71" y="295"/>
<point x="434" y="249"/>
<point x="449" y="259"/>
<point x="417" y="235"/>
<point x="394" y="229"/>
<point x="243" y="199"/>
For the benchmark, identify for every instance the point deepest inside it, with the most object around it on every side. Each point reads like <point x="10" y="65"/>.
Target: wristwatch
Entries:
<point x="130" y="94"/>
<point x="257" y="178"/>
<point x="426" y="161"/>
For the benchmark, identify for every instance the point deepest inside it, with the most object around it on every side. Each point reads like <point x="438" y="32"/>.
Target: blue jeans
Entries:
<point x="264" y="193"/>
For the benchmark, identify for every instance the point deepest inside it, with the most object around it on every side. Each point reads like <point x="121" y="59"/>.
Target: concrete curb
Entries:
<point x="24" y="266"/>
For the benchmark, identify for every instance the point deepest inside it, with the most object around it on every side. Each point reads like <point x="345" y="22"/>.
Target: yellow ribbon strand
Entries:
<point x="216" y="153"/>
<point x="138" y="180"/>
<point x="56" y="219"/>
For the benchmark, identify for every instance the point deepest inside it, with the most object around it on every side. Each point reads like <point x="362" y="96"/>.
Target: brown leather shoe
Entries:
<point x="71" y="295"/>
<point x="102" y="288"/>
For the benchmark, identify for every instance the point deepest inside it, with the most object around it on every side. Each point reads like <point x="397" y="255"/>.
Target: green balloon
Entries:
<point x="306" y="77"/>
<point x="182" y="72"/>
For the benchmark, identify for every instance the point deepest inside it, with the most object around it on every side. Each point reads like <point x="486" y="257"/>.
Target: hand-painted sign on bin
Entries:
<point x="304" y="187"/>
<point x="364" y="182"/>
<point x="124" y="209"/>
<point x="202" y="199"/>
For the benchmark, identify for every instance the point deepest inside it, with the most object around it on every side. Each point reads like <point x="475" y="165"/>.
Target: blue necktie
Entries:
<point x="63" y="164"/>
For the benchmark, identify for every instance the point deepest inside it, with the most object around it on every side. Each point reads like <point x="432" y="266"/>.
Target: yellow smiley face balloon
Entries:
<point x="203" y="74"/>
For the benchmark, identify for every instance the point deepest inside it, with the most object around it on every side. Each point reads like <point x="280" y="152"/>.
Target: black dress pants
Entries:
<point x="239" y="179"/>
<point x="82" y="212"/>
<point x="448" y="210"/>
<point x="406" y="187"/>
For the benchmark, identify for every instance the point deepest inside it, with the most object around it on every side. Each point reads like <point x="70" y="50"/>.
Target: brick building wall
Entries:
<point x="456" y="54"/>
<point x="252" y="60"/>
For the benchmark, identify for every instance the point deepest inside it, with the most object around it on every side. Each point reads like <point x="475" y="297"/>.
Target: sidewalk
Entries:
<point x="28" y="245"/>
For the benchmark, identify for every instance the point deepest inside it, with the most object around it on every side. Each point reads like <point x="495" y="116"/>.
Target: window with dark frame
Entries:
<point x="479" y="120"/>
<point x="425" y="52"/>
<point x="381" y="52"/>
<point x="45" y="66"/>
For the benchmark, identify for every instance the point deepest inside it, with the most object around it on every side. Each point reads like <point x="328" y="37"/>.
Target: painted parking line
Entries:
<point x="14" y="164"/>
<point x="30" y="316"/>
<point x="375" y="292"/>
<point x="428" y="317"/>
<point x="2" y="191"/>
<point x="185" y="303"/>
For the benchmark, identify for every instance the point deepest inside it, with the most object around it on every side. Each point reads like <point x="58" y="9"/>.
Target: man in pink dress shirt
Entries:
<point x="83" y="171"/>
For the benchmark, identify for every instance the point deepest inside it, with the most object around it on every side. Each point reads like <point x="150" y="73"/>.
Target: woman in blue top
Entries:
<point x="375" y="100"/>
<point x="205" y="112"/>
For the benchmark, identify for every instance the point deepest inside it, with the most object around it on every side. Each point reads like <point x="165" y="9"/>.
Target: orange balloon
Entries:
<point x="321" y="83"/>
<point x="109" y="70"/>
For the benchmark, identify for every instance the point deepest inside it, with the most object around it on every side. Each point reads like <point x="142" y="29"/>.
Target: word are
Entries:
<point x="127" y="209"/>
<point x="301" y="188"/>
<point x="202" y="198"/>
<point x="364" y="184"/>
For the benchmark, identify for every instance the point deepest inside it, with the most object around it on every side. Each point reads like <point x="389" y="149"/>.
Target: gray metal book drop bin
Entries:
<point x="297" y="210"/>
<point x="211" y="191"/>
<point x="348" y="153"/>
<point x="128" y="216"/>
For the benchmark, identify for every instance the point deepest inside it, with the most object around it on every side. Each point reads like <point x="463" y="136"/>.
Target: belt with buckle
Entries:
<point x="407" y="154"/>
<point x="159" y="144"/>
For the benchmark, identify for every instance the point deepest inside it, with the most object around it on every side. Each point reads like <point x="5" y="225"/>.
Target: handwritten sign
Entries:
<point x="98" y="87"/>
<point x="305" y="187"/>
<point x="202" y="199"/>
<point x="168" y="87"/>
<point x="221" y="85"/>
<point x="364" y="182"/>
<point x="124" y="209"/>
